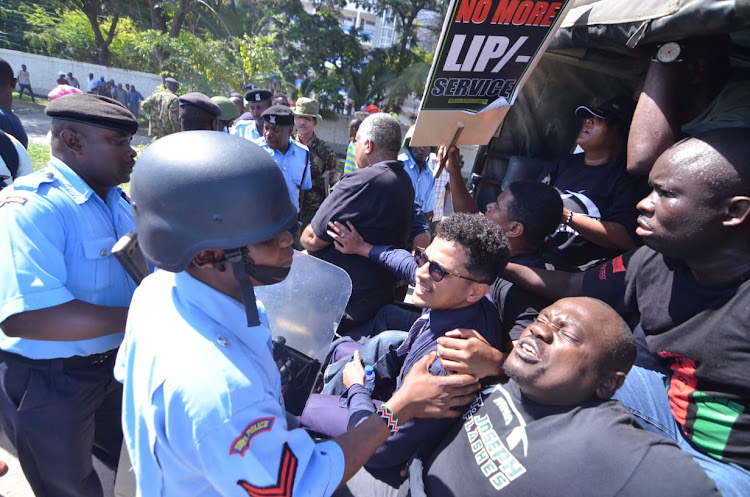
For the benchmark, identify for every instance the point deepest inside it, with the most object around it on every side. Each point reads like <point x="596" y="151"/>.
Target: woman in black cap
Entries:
<point x="598" y="219"/>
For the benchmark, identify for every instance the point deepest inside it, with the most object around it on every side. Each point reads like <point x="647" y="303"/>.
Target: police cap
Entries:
<point x="94" y="110"/>
<point x="280" y="115"/>
<point x="201" y="101"/>
<point x="258" y="96"/>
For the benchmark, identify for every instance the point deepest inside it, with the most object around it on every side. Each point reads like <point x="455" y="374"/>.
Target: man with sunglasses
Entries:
<point x="451" y="279"/>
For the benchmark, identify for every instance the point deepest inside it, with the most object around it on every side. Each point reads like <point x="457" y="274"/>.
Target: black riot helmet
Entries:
<point x="202" y="190"/>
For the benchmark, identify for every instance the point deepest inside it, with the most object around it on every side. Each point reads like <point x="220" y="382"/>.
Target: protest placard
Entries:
<point x="487" y="50"/>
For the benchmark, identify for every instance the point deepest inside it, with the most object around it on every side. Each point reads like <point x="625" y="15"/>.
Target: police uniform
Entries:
<point x="295" y="163"/>
<point x="247" y="128"/>
<point x="206" y="417"/>
<point x="57" y="398"/>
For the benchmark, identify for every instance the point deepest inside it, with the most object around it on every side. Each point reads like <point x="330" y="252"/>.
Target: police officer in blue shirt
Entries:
<point x="292" y="157"/>
<point x="203" y="411"/>
<point x="250" y="124"/>
<point x="415" y="161"/>
<point x="64" y="298"/>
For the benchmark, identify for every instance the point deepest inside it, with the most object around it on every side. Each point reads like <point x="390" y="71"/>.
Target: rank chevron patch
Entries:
<point x="284" y="481"/>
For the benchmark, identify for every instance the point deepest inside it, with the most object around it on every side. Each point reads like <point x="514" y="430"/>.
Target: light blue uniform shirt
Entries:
<point x="203" y="412"/>
<point x="423" y="182"/>
<point x="56" y="237"/>
<point x="246" y="129"/>
<point x="294" y="165"/>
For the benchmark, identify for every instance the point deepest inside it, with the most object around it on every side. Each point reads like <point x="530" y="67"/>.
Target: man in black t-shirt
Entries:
<point x="378" y="199"/>
<point x="552" y="430"/>
<point x="690" y="290"/>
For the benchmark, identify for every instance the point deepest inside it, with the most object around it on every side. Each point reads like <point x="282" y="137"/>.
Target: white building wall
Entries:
<point x="44" y="72"/>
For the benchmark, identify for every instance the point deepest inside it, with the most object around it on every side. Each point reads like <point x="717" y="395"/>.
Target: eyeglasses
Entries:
<point x="437" y="272"/>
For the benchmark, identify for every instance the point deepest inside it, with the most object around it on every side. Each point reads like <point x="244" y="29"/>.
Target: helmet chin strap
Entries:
<point x="244" y="267"/>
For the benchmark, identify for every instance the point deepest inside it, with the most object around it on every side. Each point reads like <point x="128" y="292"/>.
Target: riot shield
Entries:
<point x="304" y="311"/>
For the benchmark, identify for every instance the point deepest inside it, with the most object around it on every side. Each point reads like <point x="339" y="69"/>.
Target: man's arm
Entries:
<point x="421" y="395"/>
<point x="347" y="240"/>
<point x="467" y="352"/>
<point x="655" y="127"/>
<point x="552" y="285"/>
<point x="603" y="233"/>
<point x="460" y="196"/>
<point x="71" y="321"/>
<point x="310" y="241"/>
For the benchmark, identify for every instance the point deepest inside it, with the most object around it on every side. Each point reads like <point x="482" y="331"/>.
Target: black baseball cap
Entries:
<point x="619" y="108"/>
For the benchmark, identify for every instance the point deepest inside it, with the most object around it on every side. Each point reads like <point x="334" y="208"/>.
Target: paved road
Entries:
<point x="37" y="125"/>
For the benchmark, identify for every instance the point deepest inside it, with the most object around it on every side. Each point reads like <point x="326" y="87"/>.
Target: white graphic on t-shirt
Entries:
<point x="575" y="201"/>
<point x="493" y="457"/>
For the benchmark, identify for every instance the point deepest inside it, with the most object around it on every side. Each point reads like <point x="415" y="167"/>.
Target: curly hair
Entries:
<point x="486" y="247"/>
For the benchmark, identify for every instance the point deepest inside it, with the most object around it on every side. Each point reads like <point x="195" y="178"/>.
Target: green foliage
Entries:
<point x="220" y="44"/>
<point x="200" y="64"/>
<point x="65" y="33"/>
<point x="260" y="61"/>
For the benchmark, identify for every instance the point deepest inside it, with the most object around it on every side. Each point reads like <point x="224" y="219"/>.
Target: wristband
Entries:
<point x="390" y="419"/>
<point x="570" y="218"/>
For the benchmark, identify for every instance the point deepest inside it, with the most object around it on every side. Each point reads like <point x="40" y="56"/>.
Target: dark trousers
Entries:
<point x="21" y="88"/>
<point x="56" y="417"/>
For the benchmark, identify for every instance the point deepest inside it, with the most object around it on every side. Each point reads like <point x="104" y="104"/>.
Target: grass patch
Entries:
<point x="39" y="105"/>
<point x="39" y="155"/>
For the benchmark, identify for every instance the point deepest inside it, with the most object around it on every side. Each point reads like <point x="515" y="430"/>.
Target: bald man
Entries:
<point x="552" y="428"/>
<point x="689" y="290"/>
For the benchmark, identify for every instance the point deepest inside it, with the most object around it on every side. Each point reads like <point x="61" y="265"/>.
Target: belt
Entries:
<point x="73" y="362"/>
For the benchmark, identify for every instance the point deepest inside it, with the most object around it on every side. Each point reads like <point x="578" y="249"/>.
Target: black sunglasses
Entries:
<point x="437" y="272"/>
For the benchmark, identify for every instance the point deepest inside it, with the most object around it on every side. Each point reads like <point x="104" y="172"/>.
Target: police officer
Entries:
<point x="322" y="158"/>
<point x="197" y="111"/>
<point x="163" y="110"/>
<point x="203" y="408"/>
<point x="64" y="298"/>
<point x="250" y="124"/>
<point x="292" y="157"/>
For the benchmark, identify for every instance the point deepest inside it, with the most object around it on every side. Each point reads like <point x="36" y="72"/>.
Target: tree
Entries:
<point x="405" y="13"/>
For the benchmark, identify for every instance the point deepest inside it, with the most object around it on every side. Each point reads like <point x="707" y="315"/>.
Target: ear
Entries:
<point x="516" y="229"/>
<point x="609" y="385"/>
<point x="369" y="148"/>
<point x="72" y="140"/>
<point x="737" y="211"/>
<point x="208" y="259"/>
<point x="477" y="291"/>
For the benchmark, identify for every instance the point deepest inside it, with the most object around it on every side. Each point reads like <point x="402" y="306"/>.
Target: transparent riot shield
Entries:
<point x="304" y="311"/>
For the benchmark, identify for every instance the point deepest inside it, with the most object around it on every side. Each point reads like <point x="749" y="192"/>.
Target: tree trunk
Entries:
<point x="92" y="9"/>
<point x="158" y="23"/>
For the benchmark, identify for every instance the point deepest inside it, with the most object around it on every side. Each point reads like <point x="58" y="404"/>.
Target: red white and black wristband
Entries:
<point x="390" y="419"/>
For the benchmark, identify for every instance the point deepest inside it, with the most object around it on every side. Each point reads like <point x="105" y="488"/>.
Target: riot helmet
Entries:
<point x="201" y="190"/>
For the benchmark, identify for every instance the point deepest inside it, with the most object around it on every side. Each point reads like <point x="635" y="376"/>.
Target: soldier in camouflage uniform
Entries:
<point x="163" y="110"/>
<point x="322" y="158"/>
